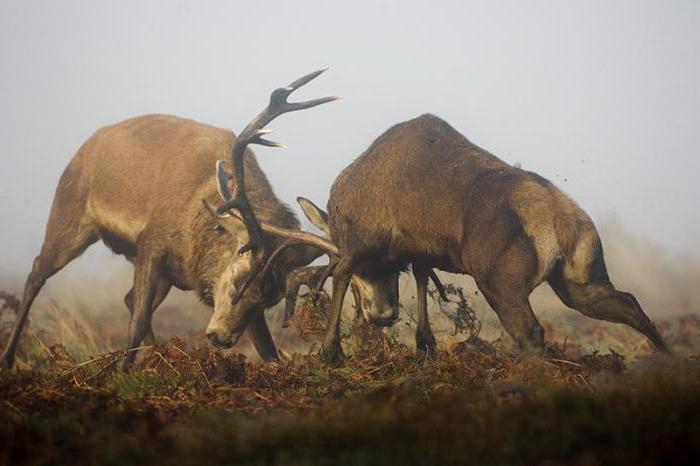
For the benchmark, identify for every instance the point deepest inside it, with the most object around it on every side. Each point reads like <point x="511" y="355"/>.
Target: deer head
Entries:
<point x="235" y="215"/>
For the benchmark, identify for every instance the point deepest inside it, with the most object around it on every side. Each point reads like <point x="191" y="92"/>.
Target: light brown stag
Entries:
<point x="138" y="186"/>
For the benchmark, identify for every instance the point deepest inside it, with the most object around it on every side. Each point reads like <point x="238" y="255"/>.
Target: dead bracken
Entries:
<point x="481" y="395"/>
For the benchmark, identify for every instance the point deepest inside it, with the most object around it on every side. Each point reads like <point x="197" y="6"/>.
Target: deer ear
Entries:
<point x="315" y="215"/>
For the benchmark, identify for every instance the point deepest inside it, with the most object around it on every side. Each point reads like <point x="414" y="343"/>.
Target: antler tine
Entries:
<point x="305" y="79"/>
<point x="332" y="263"/>
<point x="265" y="142"/>
<point x="294" y="106"/>
<point x="304" y="237"/>
<point x="278" y="105"/>
<point x="251" y="134"/>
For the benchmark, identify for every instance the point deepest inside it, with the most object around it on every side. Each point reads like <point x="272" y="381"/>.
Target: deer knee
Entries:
<point x="41" y="271"/>
<point x="129" y="300"/>
<point x="39" y="267"/>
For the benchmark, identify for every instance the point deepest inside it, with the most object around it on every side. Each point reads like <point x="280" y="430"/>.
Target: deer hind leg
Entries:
<point x="162" y="290"/>
<point x="425" y="340"/>
<point x="259" y="334"/>
<point x="516" y="316"/>
<point x="67" y="236"/>
<point x="507" y="286"/>
<point x="590" y="292"/>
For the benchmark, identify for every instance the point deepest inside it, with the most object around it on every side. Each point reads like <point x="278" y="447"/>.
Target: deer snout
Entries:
<point x="384" y="317"/>
<point x="382" y="321"/>
<point x="218" y="341"/>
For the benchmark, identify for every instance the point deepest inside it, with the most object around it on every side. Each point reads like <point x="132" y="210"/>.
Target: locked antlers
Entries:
<point x="252" y="134"/>
<point x="237" y="203"/>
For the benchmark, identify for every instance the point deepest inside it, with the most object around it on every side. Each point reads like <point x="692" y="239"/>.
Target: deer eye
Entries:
<point x="219" y="229"/>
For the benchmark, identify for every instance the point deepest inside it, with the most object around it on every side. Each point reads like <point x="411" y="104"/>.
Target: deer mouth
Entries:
<point x="384" y="322"/>
<point x="214" y="340"/>
<point x="381" y="321"/>
<point x="223" y="343"/>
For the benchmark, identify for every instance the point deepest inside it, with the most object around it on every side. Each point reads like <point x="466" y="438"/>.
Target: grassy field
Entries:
<point x="479" y="403"/>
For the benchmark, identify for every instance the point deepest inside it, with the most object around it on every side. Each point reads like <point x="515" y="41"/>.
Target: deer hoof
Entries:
<point x="333" y="356"/>
<point x="6" y="363"/>
<point x="126" y="365"/>
<point x="425" y="346"/>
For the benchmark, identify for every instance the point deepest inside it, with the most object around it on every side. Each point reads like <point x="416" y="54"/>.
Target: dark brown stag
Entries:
<point x="138" y="185"/>
<point x="423" y="194"/>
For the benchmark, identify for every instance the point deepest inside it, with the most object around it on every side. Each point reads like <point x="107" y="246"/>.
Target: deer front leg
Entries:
<point x="425" y="340"/>
<point x="259" y="334"/>
<point x="162" y="290"/>
<point x="331" y="351"/>
<point x="146" y="283"/>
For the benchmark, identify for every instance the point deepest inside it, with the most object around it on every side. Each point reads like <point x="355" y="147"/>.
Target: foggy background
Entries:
<point x="600" y="97"/>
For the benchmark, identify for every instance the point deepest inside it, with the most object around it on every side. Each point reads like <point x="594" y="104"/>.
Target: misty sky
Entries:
<point x="601" y="97"/>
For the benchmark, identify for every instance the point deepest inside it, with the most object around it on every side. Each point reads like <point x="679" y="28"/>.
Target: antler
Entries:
<point x="299" y="236"/>
<point x="252" y="134"/>
<point x="293" y="237"/>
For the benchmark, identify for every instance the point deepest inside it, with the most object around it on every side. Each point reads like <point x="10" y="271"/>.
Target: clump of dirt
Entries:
<point x="613" y="362"/>
<point x="311" y="314"/>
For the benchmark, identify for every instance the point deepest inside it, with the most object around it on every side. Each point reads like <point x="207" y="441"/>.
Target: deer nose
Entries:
<point x="214" y="340"/>
<point x="383" y="319"/>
